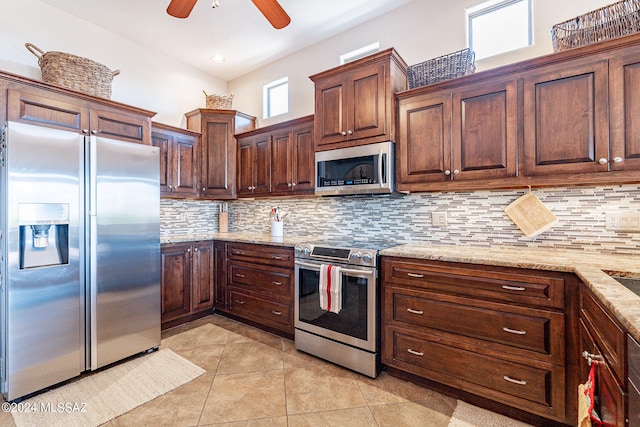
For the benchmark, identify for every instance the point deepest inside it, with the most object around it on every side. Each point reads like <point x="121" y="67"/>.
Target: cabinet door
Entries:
<point x="246" y="155"/>
<point x="262" y="166"/>
<point x="203" y="275"/>
<point x="164" y="142"/>
<point x="176" y="281"/>
<point x="566" y="119"/>
<point x="220" y="275"/>
<point x="44" y="108"/>
<point x="624" y="74"/>
<point x="424" y="149"/>
<point x="217" y="158"/>
<point x="184" y="164"/>
<point x="304" y="164"/>
<point x="366" y="102"/>
<point x="484" y="129"/>
<point x="282" y="162"/>
<point x="121" y="126"/>
<point x="331" y="104"/>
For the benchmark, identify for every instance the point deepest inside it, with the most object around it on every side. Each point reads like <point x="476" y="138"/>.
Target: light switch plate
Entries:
<point x="439" y="219"/>
<point x="628" y="222"/>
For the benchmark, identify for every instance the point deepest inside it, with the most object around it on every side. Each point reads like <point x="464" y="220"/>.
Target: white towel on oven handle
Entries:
<point x="330" y="288"/>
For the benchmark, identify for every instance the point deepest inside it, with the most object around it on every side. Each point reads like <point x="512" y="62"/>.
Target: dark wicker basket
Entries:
<point x="617" y="19"/>
<point x="446" y="67"/>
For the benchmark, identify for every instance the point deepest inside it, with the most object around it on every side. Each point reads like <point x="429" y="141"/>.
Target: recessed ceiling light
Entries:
<point x="218" y="59"/>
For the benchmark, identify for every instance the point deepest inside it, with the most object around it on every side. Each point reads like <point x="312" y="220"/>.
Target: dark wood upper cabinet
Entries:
<point x="54" y="109"/>
<point x="354" y="102"/>
<point x="466" y="134"/>
<point x="218" y="149"/>
<point x="178" y="160"/>
<point x="277" y="160"/>
<point x="566" y="119"/>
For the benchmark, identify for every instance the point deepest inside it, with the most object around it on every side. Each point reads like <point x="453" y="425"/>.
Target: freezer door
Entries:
<point x="124" y="241"/>
<point x="43" y="300"/>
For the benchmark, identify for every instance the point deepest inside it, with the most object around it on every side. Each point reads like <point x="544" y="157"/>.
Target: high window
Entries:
<point x="499" y="26"/>
<point x="275" y="96"/>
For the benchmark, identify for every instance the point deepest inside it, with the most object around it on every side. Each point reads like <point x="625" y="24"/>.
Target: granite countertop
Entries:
<point x="241" y="237"/>
<point x="591" y="267"/>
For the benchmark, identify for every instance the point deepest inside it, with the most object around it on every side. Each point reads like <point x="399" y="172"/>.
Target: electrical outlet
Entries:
<point x="439" y="219"/>
<point x="628" y="222"/>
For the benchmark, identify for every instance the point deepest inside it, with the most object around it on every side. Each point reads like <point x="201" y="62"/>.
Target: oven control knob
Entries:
<point x="355" y="256"/>
<point x="307" y="251"/>
<point x="298" y="250"/>
<point x="367" y="257"/>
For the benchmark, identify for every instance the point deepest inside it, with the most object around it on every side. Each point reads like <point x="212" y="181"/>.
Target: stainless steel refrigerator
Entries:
<point x="79" y="254"/>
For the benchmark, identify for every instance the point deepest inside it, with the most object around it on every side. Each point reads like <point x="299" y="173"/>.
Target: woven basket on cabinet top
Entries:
<point x="445" y="67"/>
<point x="74" y="72"/>
<point x="219" y="102"/>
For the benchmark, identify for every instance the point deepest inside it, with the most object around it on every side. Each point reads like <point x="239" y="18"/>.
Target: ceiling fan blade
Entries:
<point x="274" y="13"/>
<point x="181" y="8"/>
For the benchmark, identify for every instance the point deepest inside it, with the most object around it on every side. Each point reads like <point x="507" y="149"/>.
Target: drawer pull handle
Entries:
<point x="410" y="310"/>
<point x="417" y="353"/>
<point x="591" y="358"/>
<point x="239" y="302"/>
<point x="277" y="313"/>
<point x="514" y="331"/>
<point x="513" y="288"/>
<point x="239" y="275"/>
<point x="276" y="257"/>
<point x="513" y="380"/>
<point x="277" y="283"/>
<point x="419" y="276"/>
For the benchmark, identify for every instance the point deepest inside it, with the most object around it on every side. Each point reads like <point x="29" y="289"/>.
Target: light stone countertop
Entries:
<point x="590" y="267"/>
<point x="240" y="237"/>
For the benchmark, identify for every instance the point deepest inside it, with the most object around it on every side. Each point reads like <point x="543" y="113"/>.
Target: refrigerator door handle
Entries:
<point x="93" y="250"/>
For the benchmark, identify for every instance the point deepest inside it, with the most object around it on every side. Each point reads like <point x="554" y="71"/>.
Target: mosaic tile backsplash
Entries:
<point x="473" y="218"/>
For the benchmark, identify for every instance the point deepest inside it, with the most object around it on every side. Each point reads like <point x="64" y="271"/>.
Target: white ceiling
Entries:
<point x="236" y="30"/>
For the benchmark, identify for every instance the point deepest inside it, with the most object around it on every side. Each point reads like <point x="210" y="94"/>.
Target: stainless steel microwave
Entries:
<point x="364" y="169"/>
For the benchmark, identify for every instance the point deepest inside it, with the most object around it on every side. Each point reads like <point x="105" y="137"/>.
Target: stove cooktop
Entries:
<point x="350" y="250"/>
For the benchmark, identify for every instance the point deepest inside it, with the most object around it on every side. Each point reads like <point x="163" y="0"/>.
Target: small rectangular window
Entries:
<point x="499" y="26"/>
<point x="275" y="97"/>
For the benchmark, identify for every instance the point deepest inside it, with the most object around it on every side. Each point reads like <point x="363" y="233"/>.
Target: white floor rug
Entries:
<point x="466" y="415"/>
<point x="102" y="396"/>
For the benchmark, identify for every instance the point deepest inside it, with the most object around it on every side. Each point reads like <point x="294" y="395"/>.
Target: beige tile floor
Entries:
<point x="256" y="379"/>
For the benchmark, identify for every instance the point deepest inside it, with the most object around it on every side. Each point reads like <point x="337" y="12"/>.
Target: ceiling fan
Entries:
<point x="271" y="10"/>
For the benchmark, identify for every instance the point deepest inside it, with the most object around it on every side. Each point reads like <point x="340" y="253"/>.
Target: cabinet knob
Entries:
<point x="617" y="160"/>
<point x="293" y="184"/>
<point x="204" y="189"/>
<point x="456" y="172"/>
<point x="349" y="132"/>
<point x="289" y="184"/>
<point x="195" y="249"/>
<point x="603" y="161"/>
<point x="343" y="133"/>
<point x="447" y="172"/>
<point x="171" y="187"/>
<point x="85" y="130"/>
<point x="94" y="131"/>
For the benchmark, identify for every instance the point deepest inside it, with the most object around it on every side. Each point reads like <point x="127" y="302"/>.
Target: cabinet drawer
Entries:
<point x="261" y="254"/>
<point x="260" y="279"/>
<point x="269" y="312"/>
<point x="537" y="390"/>
<point x="533" y="330"/>
<point x="606" y="333"/>
<point x="510" y="285"/>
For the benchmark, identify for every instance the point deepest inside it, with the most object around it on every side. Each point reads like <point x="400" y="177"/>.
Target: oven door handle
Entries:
<point x="342" y="270"/>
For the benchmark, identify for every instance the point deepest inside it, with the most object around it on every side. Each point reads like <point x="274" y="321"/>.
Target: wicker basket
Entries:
<point x="446" y="67"/>
<point x="74" y="72"/>
<point x="609" y="22"/>
<point x="218" y="102"/>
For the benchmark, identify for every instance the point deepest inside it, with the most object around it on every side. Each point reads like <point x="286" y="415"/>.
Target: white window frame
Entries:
<point x="359" y="53"/>
<point x="492" y="6"/>
<point x="266" y="97"/>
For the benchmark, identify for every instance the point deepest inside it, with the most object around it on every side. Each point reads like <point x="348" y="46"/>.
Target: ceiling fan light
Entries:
<point x="218" y="59"/>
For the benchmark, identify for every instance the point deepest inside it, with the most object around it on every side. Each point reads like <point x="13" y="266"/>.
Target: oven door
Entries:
<point x="356" y="323"/>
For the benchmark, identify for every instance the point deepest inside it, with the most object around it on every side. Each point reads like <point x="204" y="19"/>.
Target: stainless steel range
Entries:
<point x="348" y="334"/>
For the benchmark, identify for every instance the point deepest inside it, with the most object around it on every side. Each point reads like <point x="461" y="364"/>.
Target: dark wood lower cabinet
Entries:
<point x="187" y="281"/>
<point x="498" y="337"/>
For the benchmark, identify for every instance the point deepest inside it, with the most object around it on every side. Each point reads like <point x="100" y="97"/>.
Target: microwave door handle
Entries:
<point x="380" y="177"/>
